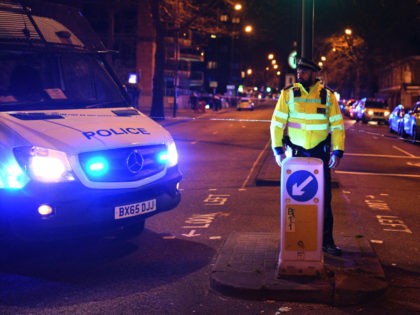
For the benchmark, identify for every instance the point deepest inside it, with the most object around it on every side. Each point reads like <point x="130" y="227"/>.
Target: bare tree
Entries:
<point x="201" y="16"/>
<point x="344" y="62"/>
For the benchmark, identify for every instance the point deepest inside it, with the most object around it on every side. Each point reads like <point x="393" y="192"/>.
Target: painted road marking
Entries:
<point x="393" y="224"/>
<point x="403" y="151"/>
<point x="376" y="204"/>
<point x="216" y="200"/>
<point x="254" y="165"/>
<point x="407" y="156"/>
<point x="200" y="221"/>
<point x="383" y="156"/>
<point x="203" y="221"/>
<point x="378" y="174"/>
<point x="377" y="241"/>
<point x="413" y="164"/>
<point x="390" y="223"/>
<point x="191" y="234"/>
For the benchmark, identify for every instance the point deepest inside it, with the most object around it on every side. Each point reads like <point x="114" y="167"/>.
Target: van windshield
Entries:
<point x="376" y="104"/>
<point x="47" y="81"/>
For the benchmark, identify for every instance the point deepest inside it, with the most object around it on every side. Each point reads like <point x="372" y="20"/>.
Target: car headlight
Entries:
<point x="370" y="112"/>
<point x="386" y="113"/>
<point x="170" y="156"/>
<point x="44" y="165"/>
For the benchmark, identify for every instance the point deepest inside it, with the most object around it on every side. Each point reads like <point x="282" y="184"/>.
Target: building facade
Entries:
<point x="399" y="82"/>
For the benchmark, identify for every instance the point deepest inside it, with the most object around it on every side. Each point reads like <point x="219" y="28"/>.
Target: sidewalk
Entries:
<point x="246" y="264"/>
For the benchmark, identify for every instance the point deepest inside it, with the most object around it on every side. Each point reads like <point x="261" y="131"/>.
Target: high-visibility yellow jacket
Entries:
<point x="308" y="119"/>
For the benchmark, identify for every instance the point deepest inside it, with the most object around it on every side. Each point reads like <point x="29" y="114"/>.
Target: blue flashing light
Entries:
<point x="12" y="177"/>
<point x="169" y="156"/>
<point x="163" y="157"/>
<point x="97" y="166"/>
<point x="132" y="78"/>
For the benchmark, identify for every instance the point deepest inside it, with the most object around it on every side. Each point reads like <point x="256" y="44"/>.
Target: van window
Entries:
<point x="31" y="81"/>
<point x="376" y="104"/>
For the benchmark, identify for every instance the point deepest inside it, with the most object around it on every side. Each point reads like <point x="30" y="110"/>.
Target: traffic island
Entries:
<point x="246" y="267"/>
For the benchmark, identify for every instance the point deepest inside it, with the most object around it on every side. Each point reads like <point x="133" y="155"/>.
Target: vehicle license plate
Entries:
<point x="135" y="209"/>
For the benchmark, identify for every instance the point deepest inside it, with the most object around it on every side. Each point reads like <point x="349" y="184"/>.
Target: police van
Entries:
<point x="76" y="157"/>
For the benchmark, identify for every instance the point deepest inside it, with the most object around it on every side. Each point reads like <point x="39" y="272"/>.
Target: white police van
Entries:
<point x="75" y="157"/>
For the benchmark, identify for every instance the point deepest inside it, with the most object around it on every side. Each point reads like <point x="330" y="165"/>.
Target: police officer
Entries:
<point x="307" y="120"/>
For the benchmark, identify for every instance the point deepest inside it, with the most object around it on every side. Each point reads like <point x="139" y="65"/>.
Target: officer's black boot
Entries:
<point x="329" y="247"/>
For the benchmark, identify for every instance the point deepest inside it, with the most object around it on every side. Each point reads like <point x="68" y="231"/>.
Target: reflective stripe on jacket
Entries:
<point x="307" y="120"/>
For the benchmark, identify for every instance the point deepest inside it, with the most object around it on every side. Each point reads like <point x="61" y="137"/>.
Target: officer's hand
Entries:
<point x="334" y="161"/>
<point x="279" y="159"/>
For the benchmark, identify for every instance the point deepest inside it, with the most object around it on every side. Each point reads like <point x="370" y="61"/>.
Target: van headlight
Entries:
<point x="44" y="165"/>
<point x="170" y="156"/>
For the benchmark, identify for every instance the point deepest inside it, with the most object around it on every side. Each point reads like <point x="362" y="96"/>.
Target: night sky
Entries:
<point x="389" y="27"/>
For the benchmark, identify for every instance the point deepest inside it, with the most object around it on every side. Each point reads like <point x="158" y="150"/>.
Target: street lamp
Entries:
<point x="248" y="77"/>
<point x="235" y="20"/>
<point x="237" y="7"/>
<point x="354" y="57"/>
<point x="321" y="62"/>
<point x="248" y="29"/>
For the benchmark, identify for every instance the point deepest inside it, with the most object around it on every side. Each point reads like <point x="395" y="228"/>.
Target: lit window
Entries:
<point x="212" y="65"/>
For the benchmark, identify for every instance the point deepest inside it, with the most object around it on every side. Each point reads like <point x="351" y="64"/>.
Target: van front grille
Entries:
<point x="123" y="164"/>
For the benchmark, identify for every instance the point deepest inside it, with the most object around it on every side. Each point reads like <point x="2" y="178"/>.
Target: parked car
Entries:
<point x="411" y="122"/>
<point x="342" y="105"/>
<point x="395" y="120"/>
<point x="352" y="110"/>
<point x="371" y="109"/>
<point x="245" y="103"/>
<point x="347" y="106"/>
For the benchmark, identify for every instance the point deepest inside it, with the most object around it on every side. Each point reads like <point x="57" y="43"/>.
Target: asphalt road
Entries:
<point x="166" y="269"/>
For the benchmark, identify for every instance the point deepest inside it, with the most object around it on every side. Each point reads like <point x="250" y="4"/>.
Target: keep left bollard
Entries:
<point x="301" y="217"/>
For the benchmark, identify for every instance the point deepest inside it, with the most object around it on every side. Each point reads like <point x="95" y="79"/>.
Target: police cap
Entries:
<point x="308" y="64"/>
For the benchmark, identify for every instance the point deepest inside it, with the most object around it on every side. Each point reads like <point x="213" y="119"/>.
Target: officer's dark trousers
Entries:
<point x="322" y="152"/>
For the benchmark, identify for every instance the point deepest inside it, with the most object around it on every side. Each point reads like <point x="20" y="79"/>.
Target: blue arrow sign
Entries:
<point x="302" y="186"/>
